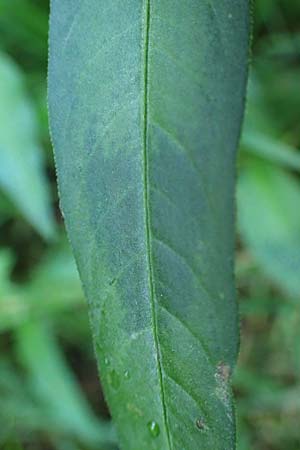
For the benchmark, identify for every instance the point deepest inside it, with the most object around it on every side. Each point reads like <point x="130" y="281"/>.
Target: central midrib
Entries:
<point x="147" y="11"/>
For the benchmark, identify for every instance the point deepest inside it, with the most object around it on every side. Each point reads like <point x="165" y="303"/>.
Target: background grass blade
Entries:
<point x="269" y="221"/>
<point x="55" y="387"/>
<point x="21" y="160"/>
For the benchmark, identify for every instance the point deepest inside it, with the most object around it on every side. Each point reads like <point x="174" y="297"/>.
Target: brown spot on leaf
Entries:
<point x="223" y="372"/>
<point x="200" y="424"/>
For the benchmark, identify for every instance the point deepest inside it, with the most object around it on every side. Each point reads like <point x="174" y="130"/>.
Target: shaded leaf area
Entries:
<point x="146" y="102"/>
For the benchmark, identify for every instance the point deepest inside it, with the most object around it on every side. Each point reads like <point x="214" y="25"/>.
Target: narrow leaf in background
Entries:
<point x="262" y="145"/>
<point x="55" y="386"/>
<point x="269" y="221"/>
<point x="21" y="160"/>
<point x="146" y="102"/>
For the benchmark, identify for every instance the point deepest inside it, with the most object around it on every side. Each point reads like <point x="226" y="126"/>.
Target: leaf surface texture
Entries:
<point x="146" y="102"/>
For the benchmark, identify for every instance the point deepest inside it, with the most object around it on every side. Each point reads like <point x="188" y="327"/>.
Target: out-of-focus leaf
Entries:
<point x="274" y="150"/>
<point x="259" y="306"/>
<point x="7" y="208"/>
<point x="12" y="444"/>
<point x="265" y="394"/>
<point x="287" y="334"/>
<point x="23" y="25"/>
<point x="21" y="163"/>
<point x="18" y="412"/>
<point x="256" y="115"/>
<point x="22" y="414"/>
<point x="55" y="386"/>
<point x="279" y="83"/>
<point x="243" y="438"/>
<point x="56" y="281"/>
<point x="59" y="406"/>
<point x="280" y="46"/>
<point x="269" y="221"/>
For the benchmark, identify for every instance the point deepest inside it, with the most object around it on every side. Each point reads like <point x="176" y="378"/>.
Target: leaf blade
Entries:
<point x="150" y="203"/>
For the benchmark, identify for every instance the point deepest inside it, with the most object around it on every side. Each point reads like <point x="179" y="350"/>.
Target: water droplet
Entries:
<point x="106" y="361"/>
<point x="112" y="281"/>
<point x="114" y="379"/>
<point x="127" y="375"/>
<point x="154" y="429"/>
<point x="201" y="425"/>
<point x="230" y="16"/>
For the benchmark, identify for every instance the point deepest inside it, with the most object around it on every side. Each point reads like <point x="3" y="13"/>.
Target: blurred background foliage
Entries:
<point x="50" y="397"/>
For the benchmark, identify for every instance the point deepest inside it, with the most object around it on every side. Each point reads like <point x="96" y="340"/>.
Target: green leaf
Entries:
<point x="269" y="221"/>
<point x="146" y="102"/>
<point x="55" y="280"/>
<point x="271" y="149"/>
<point x="56" y="387"/>
<point x="21" y="164"/>
<point x="29" y="33"/>
<point x="17" y="410"/>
